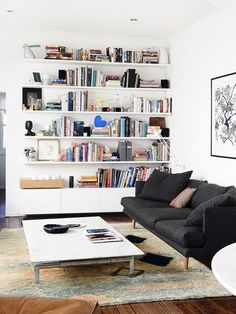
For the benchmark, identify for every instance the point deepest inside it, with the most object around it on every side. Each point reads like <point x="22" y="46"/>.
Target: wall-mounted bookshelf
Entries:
<point x="91" y="199"/>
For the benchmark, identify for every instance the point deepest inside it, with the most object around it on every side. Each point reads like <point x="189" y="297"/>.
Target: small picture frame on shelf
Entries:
<point x="37" y="78"/>
<point x="48" y="150"/>
<point x="32" y="98"/>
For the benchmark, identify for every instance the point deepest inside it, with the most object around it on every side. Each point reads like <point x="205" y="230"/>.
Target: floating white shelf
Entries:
<point x="102" y="88"/>
<point x="96" y="63"/>
<point x="94" y="162"/>
<point x="129" y="113"/>
<point x="86" y="138"/>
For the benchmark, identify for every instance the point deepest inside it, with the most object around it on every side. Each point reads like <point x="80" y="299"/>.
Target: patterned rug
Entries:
<point x="156" y="283"/>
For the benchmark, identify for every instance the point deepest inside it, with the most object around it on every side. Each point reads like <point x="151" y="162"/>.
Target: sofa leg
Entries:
<point x="134" y="223"/>
<point x="186" y="260"/>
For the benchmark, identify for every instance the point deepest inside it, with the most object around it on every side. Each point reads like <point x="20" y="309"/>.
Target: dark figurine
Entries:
<point x="28" y="127"/>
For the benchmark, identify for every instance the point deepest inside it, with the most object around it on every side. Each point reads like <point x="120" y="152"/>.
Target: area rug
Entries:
<point x="156" y="283"/>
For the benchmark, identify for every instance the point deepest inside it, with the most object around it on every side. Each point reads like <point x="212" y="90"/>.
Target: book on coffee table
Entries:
<point x="101" y="236"/>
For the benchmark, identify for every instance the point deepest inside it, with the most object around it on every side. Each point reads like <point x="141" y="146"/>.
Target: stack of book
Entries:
<point x="140" y="156"/>
<point x="153" y="131"/>
<point x="55" y="52"/>
<point x="59" y="82"/>
<point x="141" y="104"/>
<point x="130" y="79"/>
<point x="53" y="106"/>
<point x="116" y="178"/>
<point x="149" y="84"/>
<point x="87" y="182"/>
<point x="112" y="81"/>
<point x="94" y="54"/>
<point x="102" y="131"/>
<point x="101" y="236"/>
<point x="150" y="56"/>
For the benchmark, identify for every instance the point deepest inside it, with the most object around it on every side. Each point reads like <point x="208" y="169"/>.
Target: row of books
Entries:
<point x="141" y="104"/>
<point x="66" y="126"/>
<point x="112" y="54"/>
<point x="130" y="79"/>
<point x="159" y="151"/>
<point x="116" y="178"/>
<point x="87" y="152"/>
<point x="87" y="182"/>
<point x="127" y="127"/>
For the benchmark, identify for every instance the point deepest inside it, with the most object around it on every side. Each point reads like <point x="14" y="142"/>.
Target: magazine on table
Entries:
<point x="101" y="235"/>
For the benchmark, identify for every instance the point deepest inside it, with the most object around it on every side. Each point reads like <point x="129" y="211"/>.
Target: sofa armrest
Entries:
<point x="219" y="226"/>
<point x="138" y="187"/>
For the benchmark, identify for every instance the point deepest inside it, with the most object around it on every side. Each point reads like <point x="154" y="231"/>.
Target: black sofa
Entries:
<point x="214" y="226"/>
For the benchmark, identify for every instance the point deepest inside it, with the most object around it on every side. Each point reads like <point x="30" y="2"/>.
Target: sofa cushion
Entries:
<point x="195" y="219"/>
<point x="232" y="191"/>
<point x="174" y="230"/>
<point x="149" y="216"/>
<point x="131" y="202"/>
<point x="183" y="197"/>
<point x="194" y="183"/>
<point x="205" y="192"/>
<point x="162" y="186"/>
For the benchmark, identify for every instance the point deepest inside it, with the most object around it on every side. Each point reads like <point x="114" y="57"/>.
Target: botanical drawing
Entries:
<point x="225" y="113"/>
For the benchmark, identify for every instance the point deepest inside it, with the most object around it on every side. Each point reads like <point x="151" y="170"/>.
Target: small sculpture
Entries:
<point x="28" y="52"/>
<point x="28" y="127"/>
<point x="30" y="153"/>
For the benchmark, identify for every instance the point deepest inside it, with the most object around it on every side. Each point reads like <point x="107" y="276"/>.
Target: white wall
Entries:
<point x="199" y="53"/>
<point x="15" y="72"/>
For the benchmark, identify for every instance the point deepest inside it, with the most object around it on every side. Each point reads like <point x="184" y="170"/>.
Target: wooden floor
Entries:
<point x="222" y="305"/>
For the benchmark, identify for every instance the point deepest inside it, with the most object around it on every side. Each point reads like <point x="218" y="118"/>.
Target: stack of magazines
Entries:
<point x="101" y="236"/>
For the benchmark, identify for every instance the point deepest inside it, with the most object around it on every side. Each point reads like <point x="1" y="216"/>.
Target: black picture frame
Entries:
<point x="223" y="116"/>
<point x="37" y="77"/>
<point x="36" y="93"/>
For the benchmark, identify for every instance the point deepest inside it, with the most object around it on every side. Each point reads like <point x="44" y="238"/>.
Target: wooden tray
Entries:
<point x="41" y="184"/>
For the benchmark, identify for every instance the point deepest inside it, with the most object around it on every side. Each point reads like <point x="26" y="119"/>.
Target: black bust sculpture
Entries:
<point x="28" y="127"/>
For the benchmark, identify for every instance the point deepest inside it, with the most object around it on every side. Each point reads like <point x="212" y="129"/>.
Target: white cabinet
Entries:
<point x="40" y="201"/>
<point x="64" y="201"/>
<point x="79" y="200"/>
<point x="109" y="199"/>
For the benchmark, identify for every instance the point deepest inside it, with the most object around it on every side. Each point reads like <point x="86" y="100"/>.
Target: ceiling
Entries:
<point x="156" y="18"/>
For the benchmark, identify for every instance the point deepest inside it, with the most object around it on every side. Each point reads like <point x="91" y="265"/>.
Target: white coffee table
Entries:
<point x="72" y="248"/>
<point x="224" y="267"/>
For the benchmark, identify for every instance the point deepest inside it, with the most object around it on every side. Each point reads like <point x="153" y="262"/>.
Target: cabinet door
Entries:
<point x="109" y="199"/>
<point x="40" y="201"/>
<point x="79" y="200"/>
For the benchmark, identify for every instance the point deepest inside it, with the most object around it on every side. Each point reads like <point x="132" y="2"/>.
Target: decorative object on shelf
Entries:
<point x="29" y="127"/>
<point x="28" y="52"/>
<point x="165" y="84"/>
<point x="157" y="121"/>
<point x="32" y="98"/>
<point x="223" y="116"/>
<point x="30" y="153"/>
<point x="71" y="182"/>
<point x="41" y="184"/>
<point x="86" y="131"/>
<point x="37" y="78"/>
<point x="165" y="132"/>
<point x="99" y="122"/>
<point x="163" y="59"/>
<point x="48" y="150"/>
<point x="46" y="79"/>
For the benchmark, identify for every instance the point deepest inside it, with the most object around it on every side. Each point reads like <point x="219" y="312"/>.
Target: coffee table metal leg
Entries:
<point x="36" y="273"/>
<point x="131" y="266"/>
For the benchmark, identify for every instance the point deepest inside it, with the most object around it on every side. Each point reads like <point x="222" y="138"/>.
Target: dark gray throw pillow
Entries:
<point x="206" y="191"/>
<point x="195" y="219"/>
<point x="162" y="186"/>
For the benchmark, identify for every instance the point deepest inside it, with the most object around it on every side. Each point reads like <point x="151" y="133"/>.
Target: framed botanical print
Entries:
<point x="223" y="116"/>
